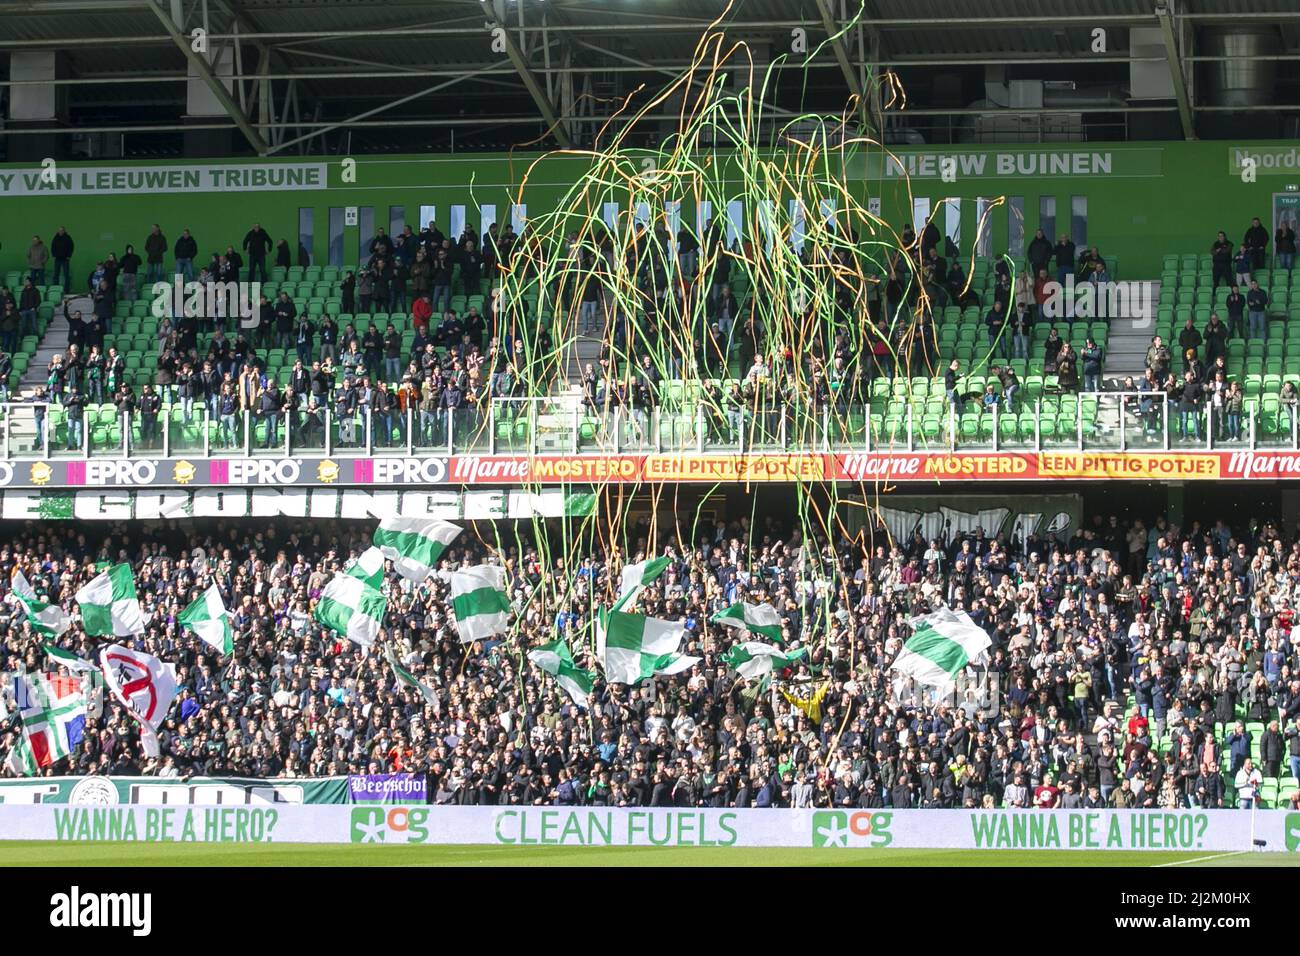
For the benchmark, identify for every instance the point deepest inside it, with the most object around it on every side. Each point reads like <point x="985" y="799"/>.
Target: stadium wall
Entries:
<point x="1143" y="200"/>
<point x="1096" y="830"/>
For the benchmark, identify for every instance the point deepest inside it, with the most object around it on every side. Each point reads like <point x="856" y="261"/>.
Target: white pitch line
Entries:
<point x="1200" y="859"/>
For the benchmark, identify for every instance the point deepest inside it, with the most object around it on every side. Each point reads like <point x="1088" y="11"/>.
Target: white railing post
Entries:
<point x="1038" y="425"/>
<point x="329" y="430"/>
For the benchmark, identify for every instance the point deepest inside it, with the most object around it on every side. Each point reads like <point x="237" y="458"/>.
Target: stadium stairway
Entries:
<point x="1130" y="335"/>
<point x="53" y="342"/>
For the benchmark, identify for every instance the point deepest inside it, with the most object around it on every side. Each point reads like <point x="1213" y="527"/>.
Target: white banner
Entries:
<point x="67" y="180"/>
<point x="1098" y="830"/>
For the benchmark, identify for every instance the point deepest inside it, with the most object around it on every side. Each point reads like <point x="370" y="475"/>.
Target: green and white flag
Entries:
<point x="478" y="601"/>
<point x="640" y="574"/>
<point x="754" y="658"/>
<point x="352" y="608"/>
<point x="760" y="619"/>
<point x="71" y="661"/>
<point x="941" y="645"/>
<point x="414" y="544"/>
<point x="108" y="604"/>
<point x="633" y="647"/>
<point x="369" y="568"/>
<point x="410" y="680"/>
<point x="556" y="659"/>
<point x="47" y="619"/>
<point x="637" y="576"/>
<point x="21" y="762"/>
<point x="207" y="617"/>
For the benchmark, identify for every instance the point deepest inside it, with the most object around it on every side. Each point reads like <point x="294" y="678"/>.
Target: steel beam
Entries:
<point x="210" y="79"/>
<point x="834" y="31"/>
<point x="534" y="90"/>
<point x="1163" y="14"/>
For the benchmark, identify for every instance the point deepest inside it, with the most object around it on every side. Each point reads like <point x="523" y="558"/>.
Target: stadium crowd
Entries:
<point x="1194" y="626"/>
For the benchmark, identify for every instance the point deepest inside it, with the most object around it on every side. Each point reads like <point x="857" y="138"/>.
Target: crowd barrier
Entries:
<point x="1097" y="830"/>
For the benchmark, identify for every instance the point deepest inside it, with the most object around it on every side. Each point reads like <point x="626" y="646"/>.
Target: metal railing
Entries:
<point x="1090" y="421"/>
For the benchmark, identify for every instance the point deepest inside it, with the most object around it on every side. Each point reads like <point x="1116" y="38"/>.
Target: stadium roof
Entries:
<point x="360" y="75"/>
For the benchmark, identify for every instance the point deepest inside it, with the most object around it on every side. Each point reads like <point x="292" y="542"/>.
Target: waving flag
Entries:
<point x="633" y="647"/>
<point x="368" y="568"/>
<point x="207" y="617"/>
<point x="142" y="684"/>
<point x="754" y="658"/>
<point x="478" y="601"/>
<point x="760" y="619"/>
<point x="410" y="680"/>
<point x="108" y="604"/>
<point x="414" y="544"/>
<point x="49" y="620"/>
<point x="53" y="712"/>
<point x="351" y="607"/>
<point x="556" y="659"/>
<point x="941" y="645"/>
<point x="636" y="576"/>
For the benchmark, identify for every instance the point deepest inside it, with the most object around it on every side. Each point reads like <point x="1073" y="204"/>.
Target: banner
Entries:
<point x="388" y="788"/>
<point x="1187" y="831"/>
<point x="290" y="476"/>
<point x="69" y="180"/>
<point x="225" y="791"/>
<point x="1012" y="163"/>
<point x="356" y="503"/>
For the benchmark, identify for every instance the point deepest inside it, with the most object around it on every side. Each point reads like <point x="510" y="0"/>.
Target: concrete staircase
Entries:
<point x="53" y="342"/>
<point x="1130" y="336"/>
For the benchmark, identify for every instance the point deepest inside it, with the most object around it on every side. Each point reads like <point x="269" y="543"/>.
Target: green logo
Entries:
<point x="839" y="828"/>
<point x="1293" y="832"/>
<point x="389" y="824"/>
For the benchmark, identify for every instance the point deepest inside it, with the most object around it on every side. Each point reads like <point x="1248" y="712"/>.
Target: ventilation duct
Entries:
<point x="1242" y="77"/>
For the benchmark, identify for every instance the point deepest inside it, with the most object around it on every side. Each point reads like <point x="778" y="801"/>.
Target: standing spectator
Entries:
<point x="1256" y="243"/>
<point x="1093" y="359"/>
<point x="1221" y="256"/>
<point x="1271" y="746"/>
<point x="37" y="256"/>
<point x="185" y="251"/>
<point x="1216" y="339"/>
<point x="1242" y="265"/>
<point x="1039" y="252"/>
<point x="1283" y="245"/>
<point x="1189" y="405"/>
<point x="1189" y="337"/>
<point x="74" y="408"/>
<point x="257" y="243"/>
<point x="1247" y="780"/>
<point x="29" y="301"/>
<point x="1236" y="306"/>
<point x="1022" y="330"/>
<point x="150" y="406"/>
<point x="1064" y="257"/>
<point x="61" y="247"/>
<point x="1067" y="369"/>
<point x="1233" y="405"/>
<point x="130" y="263"/>
<point x="1158" y="357"/>
<point x="1256" y="311"/>
<point x="1238" y="742"/>
<point x="155" y="247"/>
<point x="996" y="321"/>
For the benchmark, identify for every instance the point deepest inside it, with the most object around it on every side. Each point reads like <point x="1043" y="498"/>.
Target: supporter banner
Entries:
<point x="1099" y="830"/>
<point x="126" y="505"/>
<point x="890" y="465"/>
<point x="106" y="791"/>
<point x="388" y="788"/>
<point x="68" y="180"/>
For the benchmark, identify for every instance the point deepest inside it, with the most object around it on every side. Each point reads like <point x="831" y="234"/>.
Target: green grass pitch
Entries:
<point x="39" y="853"/>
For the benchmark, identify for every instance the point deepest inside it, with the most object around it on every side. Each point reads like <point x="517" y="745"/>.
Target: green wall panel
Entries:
<point x="1143" y="200"/>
